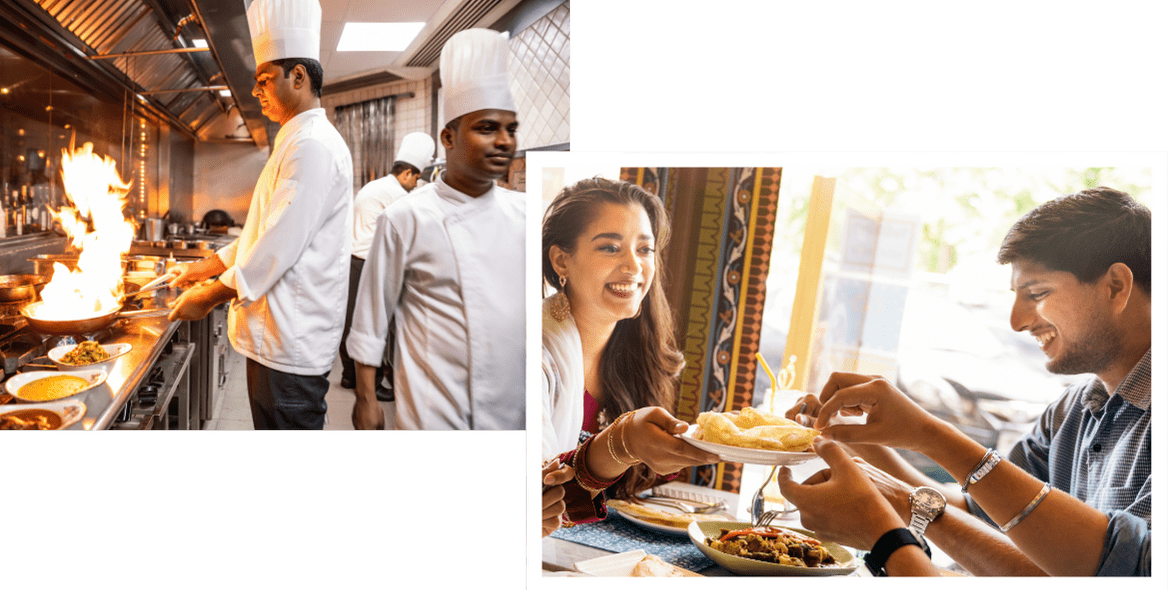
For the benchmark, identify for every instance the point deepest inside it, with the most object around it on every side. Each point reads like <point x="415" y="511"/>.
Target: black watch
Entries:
<point x="889" y="542"/>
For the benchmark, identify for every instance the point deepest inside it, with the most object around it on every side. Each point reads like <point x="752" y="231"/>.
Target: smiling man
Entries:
<point x="287" y="274"/>
<point x="1073" y="497"/>
<point x="447" y="264"/>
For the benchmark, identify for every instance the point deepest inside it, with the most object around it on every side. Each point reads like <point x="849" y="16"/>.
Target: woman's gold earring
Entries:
<point x="560" y="309"/>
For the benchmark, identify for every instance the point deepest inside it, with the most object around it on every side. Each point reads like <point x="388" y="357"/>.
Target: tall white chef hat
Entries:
<point x="474" y="75"/>
<point x="281" y="29"/>
<point x="417" y="150"/>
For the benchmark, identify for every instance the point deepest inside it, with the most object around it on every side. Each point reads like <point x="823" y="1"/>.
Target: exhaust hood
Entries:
<point x="146" y="50"/>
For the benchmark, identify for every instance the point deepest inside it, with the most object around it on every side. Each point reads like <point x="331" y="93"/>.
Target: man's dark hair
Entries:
<point x="315" y="71"/>
<point x="400" y="166"/>
<point x="1084" y="234"/>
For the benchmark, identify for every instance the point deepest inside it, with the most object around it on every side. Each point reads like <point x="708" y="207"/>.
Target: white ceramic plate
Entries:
<point x="660" y="528"/>
<point x="69" y="410"/>
<point x="745" y="455"/>
<point x="95" y="377"/>
<point x="846" y="563"/>
<point x="616" y="565"/>
<point x="115" y="351"/>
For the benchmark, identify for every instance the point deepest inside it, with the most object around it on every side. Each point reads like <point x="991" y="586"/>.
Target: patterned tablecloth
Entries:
<point x="619" y="535"/>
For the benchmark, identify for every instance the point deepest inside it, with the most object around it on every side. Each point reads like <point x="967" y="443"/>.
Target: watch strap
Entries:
<point x="887" y="544"/>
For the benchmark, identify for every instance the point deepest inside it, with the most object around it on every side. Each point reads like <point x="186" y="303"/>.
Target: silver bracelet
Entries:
<point x="988" y="462"/>
<point x="1027" y="510"/>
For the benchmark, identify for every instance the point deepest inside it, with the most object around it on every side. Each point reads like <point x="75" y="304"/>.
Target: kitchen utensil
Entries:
<point x="20" y="287"/>
<point x="155" y="229"/>
<point x="85" y="325"/>
<point x="758" y="501"/>
<point x="700" y="508"/>
<point x="766" y="517"/>
<point x="217" y="217"/>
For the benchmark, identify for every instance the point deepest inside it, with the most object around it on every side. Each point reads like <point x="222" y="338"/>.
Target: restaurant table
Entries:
<point x="561" y="555"/>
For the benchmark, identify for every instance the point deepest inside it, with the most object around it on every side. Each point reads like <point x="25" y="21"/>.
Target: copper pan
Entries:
<point x="20" y="287"/>
<point x="82" y="325"/>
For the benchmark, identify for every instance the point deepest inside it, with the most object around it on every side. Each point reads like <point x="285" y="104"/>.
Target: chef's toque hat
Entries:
<point x="281" y="29"/>
<point x="474" y="75"/>
<point x="417" y="149"/>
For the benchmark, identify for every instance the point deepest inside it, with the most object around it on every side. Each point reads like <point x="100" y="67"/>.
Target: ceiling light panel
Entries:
<point x="378" y="36"/>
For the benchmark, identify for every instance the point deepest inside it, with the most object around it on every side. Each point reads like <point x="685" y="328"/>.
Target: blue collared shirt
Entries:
<point x="1098" y="448"/>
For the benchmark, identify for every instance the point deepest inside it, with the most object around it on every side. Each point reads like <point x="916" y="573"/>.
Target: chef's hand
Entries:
<point x="367" y="414"/>
<point x="840" y="503"/>
<point x="554" y="478"/>
<point x="893" y="419"/>
<point x="183" y="275"/>
<point x="197" y="302"/>
<point x="649" y="435"/>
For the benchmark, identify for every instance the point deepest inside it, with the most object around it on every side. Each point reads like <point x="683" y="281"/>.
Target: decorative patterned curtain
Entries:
<point x="723" y="222"/>
<point x="367" y="128"/>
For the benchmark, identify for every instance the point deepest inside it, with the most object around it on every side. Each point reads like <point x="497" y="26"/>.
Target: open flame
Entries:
<point x="98" y="194"/>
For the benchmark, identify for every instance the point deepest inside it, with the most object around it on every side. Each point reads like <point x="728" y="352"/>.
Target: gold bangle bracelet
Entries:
<point x="611" y="452"/>
<point x="625" y="418"/>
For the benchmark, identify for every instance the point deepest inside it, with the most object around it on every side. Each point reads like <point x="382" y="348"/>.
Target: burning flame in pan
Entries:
<point x="97" y="194"/>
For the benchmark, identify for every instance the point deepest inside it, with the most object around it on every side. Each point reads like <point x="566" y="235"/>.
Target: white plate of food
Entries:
<point x="46" y="416"/>
<point x="805" y="554"/>
<point x="661" y="518"/>
<point x="636" y="564"/>
<point x="747" y="455"/>
<point x="88" y="355"/>
<point x="47" y="386"/>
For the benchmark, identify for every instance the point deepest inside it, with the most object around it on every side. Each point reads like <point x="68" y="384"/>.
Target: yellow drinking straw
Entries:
<point x="774" y="382"/>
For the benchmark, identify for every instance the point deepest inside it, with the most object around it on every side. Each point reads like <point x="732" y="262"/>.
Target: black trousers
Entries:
<point x="283" y="401"/>
<point x="348" y="371"/>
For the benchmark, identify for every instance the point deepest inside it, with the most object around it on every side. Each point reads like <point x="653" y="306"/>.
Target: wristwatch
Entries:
<point x="927" y="504"/>
<point x="887" y="544"/>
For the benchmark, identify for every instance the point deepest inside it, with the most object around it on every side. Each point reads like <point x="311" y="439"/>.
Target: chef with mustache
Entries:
<point x="288" y="273"/>
<point x="448" y="263"/>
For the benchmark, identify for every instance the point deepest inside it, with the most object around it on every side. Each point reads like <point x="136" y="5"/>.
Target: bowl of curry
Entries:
<point x="47" y="416"/>
<point x="49" y="386"/>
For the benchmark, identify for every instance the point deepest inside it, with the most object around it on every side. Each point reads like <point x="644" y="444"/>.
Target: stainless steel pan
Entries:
<point x="20" y="287"/>
<point x="82" y="325"/>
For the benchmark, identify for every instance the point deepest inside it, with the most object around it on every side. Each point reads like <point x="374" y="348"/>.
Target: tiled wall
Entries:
<point x="540" y="83"/>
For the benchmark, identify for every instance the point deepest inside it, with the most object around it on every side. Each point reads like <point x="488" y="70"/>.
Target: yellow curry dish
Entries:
<point x="776" y="545"/>
<point x="52" y="388"/>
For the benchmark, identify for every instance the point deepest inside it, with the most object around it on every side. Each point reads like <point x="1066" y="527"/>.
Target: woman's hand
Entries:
<point x="649" y="435"/>
<point x="554" y="478"/>
<point x="840" y="503"/>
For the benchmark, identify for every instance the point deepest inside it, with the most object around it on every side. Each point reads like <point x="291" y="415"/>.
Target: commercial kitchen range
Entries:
<point x="168" y="380"/>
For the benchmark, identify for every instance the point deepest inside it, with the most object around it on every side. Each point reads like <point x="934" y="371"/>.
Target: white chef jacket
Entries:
<point x="290" y="265"/>
<point x="450" y="268"/>
<point x="372" y="199"/>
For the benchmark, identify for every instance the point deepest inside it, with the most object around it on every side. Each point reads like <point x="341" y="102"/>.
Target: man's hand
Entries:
<point x="893" y="419"/>
<point x="840" y="503"/>
<point x="197" y="302"/>
<point x="184" y="275"/>
<point x="367" y="413"/>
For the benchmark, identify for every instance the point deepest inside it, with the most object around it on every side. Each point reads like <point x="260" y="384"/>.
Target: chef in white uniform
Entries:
<point x="414" y="155"/>
<point x="447" y="263"/>
<point x="287" y="274"/>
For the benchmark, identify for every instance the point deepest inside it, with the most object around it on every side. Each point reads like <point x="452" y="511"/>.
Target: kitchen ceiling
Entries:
<point x="182" y="86"/>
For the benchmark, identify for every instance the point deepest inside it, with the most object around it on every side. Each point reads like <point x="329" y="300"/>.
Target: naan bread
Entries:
<point x="753" y="429"/>
<point x="661" y="517"/>
<point x="652" y="566"/>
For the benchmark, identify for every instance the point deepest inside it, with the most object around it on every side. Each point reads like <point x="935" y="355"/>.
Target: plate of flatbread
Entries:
<point x="752" y="436"/>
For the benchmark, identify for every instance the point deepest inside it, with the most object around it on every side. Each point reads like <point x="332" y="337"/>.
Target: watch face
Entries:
<point x="929" y="501"/>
